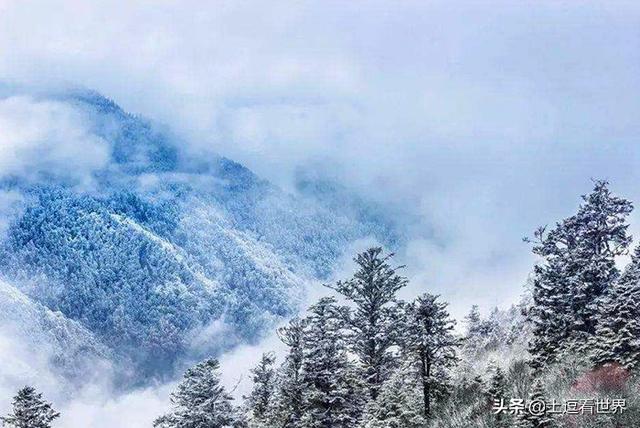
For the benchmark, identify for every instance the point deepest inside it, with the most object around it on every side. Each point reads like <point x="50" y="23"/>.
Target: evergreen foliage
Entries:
<point x="200" y="401"/>
<point x="262" y="396"/>
<point x="372" y="290"/>
<point x="579" y="256"/>
<point x="429" y="346"/>
<point x="374" y="363"/>
<point x="291" y="386"/>
<point x="532" y="420"/>
<point x="399" y="405"/>
<point x="618" y="331"/>
<point x="30" y="411"/>
<point x="498" y="390"/>
<point x="331" y="397"/>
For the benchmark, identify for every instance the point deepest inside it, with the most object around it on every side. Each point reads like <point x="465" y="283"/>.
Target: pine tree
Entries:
<point x="472" y="393"/>
<point x="473" y="320"/>
<point x="398" y="405"/>
<point x="549" y="314"/>
<point x="527" y="419"/>
<point x="372" y="290"/>
<point x="618" y="332"/>
<point x="429" y="346"/>
<point x="331" y="386"/>
<point x="200" y="400"/>
<point x="261" y="401"/>
<point x="497" y="392"/>
<point x="472" y="342"/>
<point x="291" y="388"/>
<point x="578" y="267"/>
<point x="30" y="411"/>
<point x="497" y="384"/>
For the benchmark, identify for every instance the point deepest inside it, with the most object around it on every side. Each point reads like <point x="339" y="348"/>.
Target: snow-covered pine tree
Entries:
<point x="30" y="411"/>
<point x="429" y="346"/>
<point x="291" y="388"/>
<point x="330" y="379"/>
<point x="473" y="320"/>
<point x="497" y="383"/>
<point x="472" y="343"/>
<point x="578" y="267"/>
<point x="618" y="331"/>
<point x="261" y="400"/>
<point x="200" y="400"/>
<point x="527" y="419"/>
<point x="498" y="391"/>
<point x="398" y="405"/>
<point x="472" y="393"/>
<point x="550" y="313"/>
<point x="372" y="290"/>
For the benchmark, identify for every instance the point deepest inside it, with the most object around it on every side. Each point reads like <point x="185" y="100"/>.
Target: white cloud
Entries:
<point x="96" y="405"/>
<point x="101" y="409"/>
<point x="47" y="137"/>
<point x="483" y="119"/>
<point x="26" y="361"/>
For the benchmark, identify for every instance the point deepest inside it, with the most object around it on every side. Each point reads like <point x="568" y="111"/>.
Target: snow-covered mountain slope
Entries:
<point x="147" y="246"/>
<point x="46" y="337"/>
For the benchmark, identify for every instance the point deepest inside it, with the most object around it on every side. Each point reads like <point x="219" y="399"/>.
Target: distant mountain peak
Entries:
<point x="165" y="244"/>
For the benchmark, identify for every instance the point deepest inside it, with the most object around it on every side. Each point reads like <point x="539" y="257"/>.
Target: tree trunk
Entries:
<point x="425" y="369"/>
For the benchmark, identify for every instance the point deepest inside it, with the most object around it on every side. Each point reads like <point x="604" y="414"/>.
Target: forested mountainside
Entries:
<point x="42" y="333"/>
<point x="154" y="245"/>
<point x="567" y="356"/>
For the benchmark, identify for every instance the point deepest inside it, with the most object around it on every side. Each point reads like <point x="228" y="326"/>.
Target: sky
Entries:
<point x="483" y="118"/>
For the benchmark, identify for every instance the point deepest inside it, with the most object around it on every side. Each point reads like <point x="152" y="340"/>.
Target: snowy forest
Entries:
<point x="364" y="358"/>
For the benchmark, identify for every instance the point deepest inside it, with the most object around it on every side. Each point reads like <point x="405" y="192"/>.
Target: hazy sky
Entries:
<point x="485" y="118"/>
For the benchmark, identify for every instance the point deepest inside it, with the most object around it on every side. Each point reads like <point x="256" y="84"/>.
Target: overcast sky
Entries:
<point x="485" y="118"/>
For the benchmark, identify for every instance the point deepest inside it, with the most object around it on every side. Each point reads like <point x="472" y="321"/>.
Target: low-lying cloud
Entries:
<point x="95" y="404"/>
<point x="47" y="137"/>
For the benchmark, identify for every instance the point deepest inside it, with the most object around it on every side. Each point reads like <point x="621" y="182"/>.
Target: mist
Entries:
<point x="484" y="119"/>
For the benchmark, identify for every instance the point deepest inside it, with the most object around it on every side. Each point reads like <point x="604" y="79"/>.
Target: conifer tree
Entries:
<point x="30" y="411"/>
<point x="429" y="346"/>
<point x="578" y="267"/>
<point x="261" y="399"/>
<point x="497" y="384"/>
<point x="200" y="400"/>
<point x="498" y="391"/>
<point x="527" y="419"/>
<point x="291" y="388"/>
<point x="618" y="332"/>
<point x="372" y="290"/>
<point x="472" y="342"/>
<point x="473" y="320"/>
<point x="398" y="406"/>
<point x="331" y="384"/>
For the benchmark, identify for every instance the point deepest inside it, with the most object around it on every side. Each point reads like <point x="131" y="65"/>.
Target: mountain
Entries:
<point x="63" y="346"/>
<point x="153" y="246"/>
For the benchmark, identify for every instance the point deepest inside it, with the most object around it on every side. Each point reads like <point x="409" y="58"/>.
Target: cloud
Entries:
<point x="46" y="137"/>
<point x="27" y="351"/>
<point x="135" y="409"/>
<point x="235" y="365"/>
<point x="483" y="119"/>
<point x="97" y="404"/>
